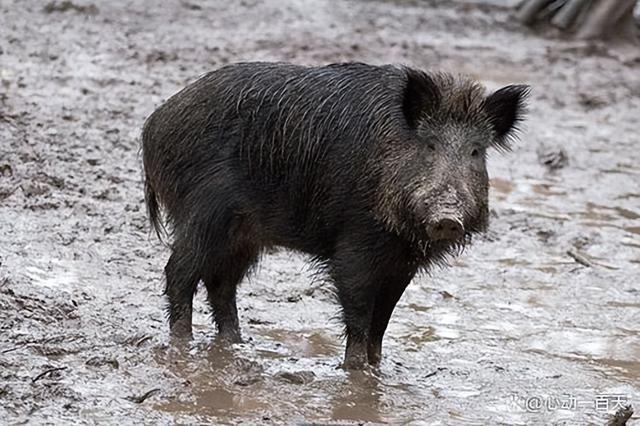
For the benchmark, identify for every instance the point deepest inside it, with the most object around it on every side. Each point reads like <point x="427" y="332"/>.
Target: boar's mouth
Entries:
<point x="446" y="226"/>
<point x="449" y="226"/>
<point x="436" y="225"/>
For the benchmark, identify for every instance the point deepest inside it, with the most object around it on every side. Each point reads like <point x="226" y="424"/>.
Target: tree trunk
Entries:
<point x="530" y="9"/>
<point x="610" y="19"/>
<point x="588" y="19"/>
<point x="568" y="14"/>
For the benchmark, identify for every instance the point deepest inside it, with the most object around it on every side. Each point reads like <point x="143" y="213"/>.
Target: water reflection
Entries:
<point x="358" y="398"/>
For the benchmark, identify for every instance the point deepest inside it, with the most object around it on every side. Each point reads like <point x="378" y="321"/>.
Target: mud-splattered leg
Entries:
<point x="182" y="279"/>
<point x="357" y="277"/>
<point x="231" y="252"/>
<point x="386" y="300"/>
<point x="222" y="280"/>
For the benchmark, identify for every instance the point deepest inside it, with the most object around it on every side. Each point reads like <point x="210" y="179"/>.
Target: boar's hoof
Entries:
<point x="355" y="364"/>
<point x="355" y="357"/>
<point x="229" y="337"/>
<point x="374" y="354"/>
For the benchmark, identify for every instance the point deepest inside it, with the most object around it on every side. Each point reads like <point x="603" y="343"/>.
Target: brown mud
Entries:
<point x="543" y="310"/>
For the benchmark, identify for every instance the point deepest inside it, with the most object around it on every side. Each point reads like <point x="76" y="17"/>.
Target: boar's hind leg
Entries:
<point x="386" y="299"/>
<point x="182" y="279"/>
<point x="224" y="274"/>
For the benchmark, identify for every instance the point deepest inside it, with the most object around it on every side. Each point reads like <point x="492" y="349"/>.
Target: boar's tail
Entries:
<point x="153" y="210"/>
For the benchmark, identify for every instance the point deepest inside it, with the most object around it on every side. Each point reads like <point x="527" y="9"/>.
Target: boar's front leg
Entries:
<point x="356" y="293"/>
<point x="388" y="295"/>
<point x="358" y="268"/>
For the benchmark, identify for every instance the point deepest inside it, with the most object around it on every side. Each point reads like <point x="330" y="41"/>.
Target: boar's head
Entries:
<point x="435" y="183"/>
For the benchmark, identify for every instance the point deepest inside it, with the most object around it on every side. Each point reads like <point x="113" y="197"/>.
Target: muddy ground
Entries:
<point x="537" y="323"/>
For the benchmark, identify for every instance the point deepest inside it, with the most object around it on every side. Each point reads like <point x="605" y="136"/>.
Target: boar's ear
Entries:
<point x="505" y="110"/>
<point x="421" y="97"/>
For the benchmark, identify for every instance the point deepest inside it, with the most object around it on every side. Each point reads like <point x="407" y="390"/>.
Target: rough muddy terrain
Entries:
<point x="536" y="323"/>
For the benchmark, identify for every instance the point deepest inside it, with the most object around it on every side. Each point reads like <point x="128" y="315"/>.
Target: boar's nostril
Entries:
<point x="446" y="229"/>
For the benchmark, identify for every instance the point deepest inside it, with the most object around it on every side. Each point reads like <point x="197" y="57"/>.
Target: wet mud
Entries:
<point x="536" y="323"/>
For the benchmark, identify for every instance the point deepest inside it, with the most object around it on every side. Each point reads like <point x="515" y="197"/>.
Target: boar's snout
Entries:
<point x="447" y="228"/>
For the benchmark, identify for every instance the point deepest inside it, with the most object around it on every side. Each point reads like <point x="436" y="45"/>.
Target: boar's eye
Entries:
<point x="431" y="147"/>
<point x="475" y="153"/>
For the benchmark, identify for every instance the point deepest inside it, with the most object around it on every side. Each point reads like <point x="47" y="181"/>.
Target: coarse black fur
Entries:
<point x="350" y="163"/>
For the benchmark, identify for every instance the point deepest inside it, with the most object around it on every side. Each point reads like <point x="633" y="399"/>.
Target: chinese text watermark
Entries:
<point x="600" y="403"/>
